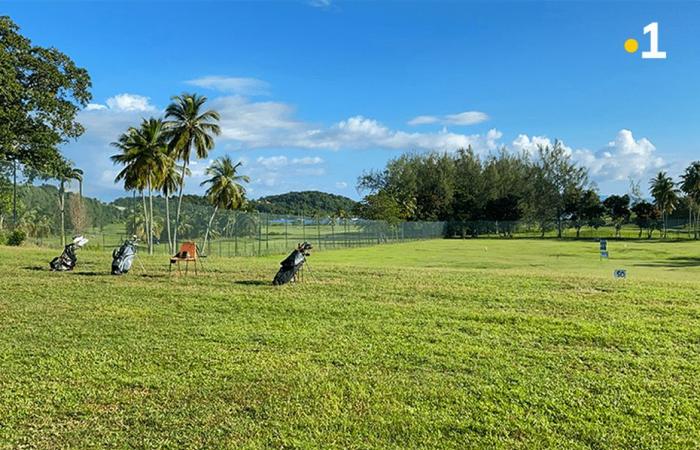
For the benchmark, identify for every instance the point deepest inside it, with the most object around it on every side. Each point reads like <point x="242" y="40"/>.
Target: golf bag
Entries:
<point x="123" y="257"/>
<point x="68" y="258"/>
<point x="292" y="264"/>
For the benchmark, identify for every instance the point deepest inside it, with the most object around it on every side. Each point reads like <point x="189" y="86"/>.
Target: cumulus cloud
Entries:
<point x="463" y="118"/>
<point x="95" y="107"/>
<point x="129" y="102"/>
<point x="232" y="85"/>
<point x="620" y="159"/>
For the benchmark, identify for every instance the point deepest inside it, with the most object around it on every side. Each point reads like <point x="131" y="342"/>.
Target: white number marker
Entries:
<point x="653" y="30"/>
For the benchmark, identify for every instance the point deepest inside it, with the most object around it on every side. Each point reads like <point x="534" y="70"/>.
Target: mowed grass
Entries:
<point x="435" y="344"/>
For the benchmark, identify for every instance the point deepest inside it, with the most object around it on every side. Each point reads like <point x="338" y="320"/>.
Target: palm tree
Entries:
<point x="144" y="155"/>
<point x="190" y="128"/>
<point x="66" y="175"/>
<point x="665" y="194"/>
<point x="225" y="190"/>
<point x="691" y="187"/>
<point x="169" y="183"/>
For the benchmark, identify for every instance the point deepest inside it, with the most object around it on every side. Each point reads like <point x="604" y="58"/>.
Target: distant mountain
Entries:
<point x="305" y="202"/>
<point x="292" y="203"/>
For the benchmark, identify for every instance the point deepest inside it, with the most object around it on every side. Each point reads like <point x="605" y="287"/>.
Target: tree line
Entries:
<point x="547" y="190"/>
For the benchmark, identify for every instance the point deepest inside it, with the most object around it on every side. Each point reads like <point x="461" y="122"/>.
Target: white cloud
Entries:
<point x="423" y="120"/>
<point x="341" y="184"/>
<point x="129" y="102"/>
<point x="466" y="118"/>
<point x="232" y="85"/>
<point x="529" y="145"/>
<point x="463" y="118"/>
<point x="620" y="159"/>
<point x="249" y="125"/>
<point x="273" y="161"/>
<point x="95" y="107"/>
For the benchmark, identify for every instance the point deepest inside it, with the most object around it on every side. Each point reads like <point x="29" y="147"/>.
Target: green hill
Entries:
<point x="305" y="202"/>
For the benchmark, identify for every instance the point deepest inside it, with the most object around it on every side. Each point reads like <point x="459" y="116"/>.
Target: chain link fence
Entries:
<point x="237" y="233"/>
<point x="258" y="234"/>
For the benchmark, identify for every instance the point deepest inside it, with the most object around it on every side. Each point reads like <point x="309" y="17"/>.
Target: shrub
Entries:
<point x="16" y="238"/>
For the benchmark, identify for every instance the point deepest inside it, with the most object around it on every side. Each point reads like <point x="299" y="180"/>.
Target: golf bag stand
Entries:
<point x="292" y="265"/>
<point x="68" y="259"/>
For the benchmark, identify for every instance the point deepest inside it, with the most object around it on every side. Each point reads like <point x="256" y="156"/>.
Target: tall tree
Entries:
<point x="691" y="188"/>
<point x="646" y="217"/>
<point x="583" y="208"/>
<point x="42" y="91"/>
<point x="225" y="189"/>
<point x="145" y="157"/>
<point x="618" y="208"/>
<point x="559" y="176"/>
<point x="190" y="127"/>
<point x="169" y="183"/>
<point x="665" y="194"/>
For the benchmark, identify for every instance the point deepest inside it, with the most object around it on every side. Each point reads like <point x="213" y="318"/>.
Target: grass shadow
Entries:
<point x="675" y="261"/>
<point x="37" y="268"/>
<point x="253" y="283"/>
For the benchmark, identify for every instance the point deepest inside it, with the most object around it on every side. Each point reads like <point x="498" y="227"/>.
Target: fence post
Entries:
<point x="318" y="229"/>
<point x="286" y="238"/>
<point x="333" y="231"/>
<point x="267" y="233"/>
<point x="259" y="237"/>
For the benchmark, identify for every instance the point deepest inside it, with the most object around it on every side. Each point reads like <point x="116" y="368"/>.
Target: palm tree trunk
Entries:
<point x="206" y="235"/>
<point x="663" y="214"/>
<point x="150" y="234"/>
<point x="179" y="203"/>
<point x="62" y="204"/>
<point x="167" y="223"/>
<point x="145" y="219"/>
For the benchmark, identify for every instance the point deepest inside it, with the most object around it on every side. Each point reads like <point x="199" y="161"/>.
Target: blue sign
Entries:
<point x="620" y="273"/>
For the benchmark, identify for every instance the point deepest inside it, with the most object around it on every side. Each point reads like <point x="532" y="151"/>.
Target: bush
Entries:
<point x="16" y="238"/>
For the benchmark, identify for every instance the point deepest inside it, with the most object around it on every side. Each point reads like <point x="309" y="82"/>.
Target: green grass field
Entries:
<point x="434" y="344"/>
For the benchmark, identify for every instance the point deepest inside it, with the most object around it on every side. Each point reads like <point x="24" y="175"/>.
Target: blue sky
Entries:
<point x="314" y="92"/>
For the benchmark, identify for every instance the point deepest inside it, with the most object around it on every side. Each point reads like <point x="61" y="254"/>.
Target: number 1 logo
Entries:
<point x="631" y="45"/>
<point x="653" y="31"/>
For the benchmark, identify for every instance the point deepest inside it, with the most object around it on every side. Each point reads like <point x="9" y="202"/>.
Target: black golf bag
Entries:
<point x="123" y="257"/>
<point x="292" y="264"/>
<point x="68" y="258"/>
